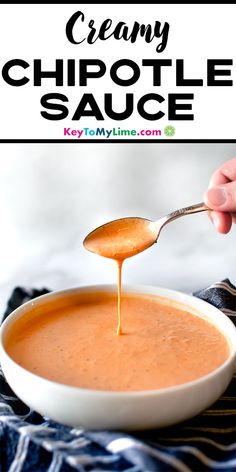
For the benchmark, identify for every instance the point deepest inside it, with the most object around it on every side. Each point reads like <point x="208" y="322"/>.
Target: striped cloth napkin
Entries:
<point x="30" y="442"/>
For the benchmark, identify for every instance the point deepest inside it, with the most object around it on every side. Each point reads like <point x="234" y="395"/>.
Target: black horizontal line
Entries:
<point x="111" y="3"/>
<point x="116" y="141"/>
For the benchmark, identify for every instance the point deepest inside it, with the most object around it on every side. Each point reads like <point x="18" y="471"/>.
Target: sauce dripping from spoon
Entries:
<point x="119" y="240"/>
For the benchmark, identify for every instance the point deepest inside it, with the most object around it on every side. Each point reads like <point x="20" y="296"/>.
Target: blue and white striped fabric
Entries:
<point x="29" y="442"/>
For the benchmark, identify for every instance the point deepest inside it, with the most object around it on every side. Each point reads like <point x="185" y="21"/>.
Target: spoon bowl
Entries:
<point x="126" y="237"/>
<point x="122" y="238"/>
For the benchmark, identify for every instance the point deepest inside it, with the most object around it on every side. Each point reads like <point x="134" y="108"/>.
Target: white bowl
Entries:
<point x="120" y="410"/>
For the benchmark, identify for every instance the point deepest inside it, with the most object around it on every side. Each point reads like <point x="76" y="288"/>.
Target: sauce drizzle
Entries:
<point x="119" y="240"/>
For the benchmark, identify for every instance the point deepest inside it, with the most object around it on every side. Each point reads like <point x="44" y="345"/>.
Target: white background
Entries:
<point x="197" y="32"/>
<point x="52" y="195"/>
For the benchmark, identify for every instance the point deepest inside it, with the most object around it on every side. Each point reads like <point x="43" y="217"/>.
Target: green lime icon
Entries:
<point x="169" y="130"/>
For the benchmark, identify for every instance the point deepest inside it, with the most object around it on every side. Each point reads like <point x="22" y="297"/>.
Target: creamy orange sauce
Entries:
<point x="119" y="240"/>
<point x="73" y="342"/>
<point x="119" y="265"/>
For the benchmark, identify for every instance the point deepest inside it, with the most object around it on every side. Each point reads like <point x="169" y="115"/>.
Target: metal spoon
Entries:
<point x="123" y="238"/>
<point x="178" y="213"/>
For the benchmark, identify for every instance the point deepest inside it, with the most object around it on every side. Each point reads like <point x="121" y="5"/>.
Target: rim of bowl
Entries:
<point x="142" y="290"/>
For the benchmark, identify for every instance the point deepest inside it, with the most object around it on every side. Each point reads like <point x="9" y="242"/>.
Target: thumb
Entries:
<point x="222" y="197"/>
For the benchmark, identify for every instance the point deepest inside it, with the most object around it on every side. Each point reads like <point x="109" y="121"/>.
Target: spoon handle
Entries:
<point x="185" y="211"/>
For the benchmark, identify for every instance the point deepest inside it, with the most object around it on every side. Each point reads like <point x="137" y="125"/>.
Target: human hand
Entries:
<point x="221" y="196"/>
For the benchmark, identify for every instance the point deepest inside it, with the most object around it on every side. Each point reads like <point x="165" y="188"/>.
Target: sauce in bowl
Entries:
<point x="73" y="343"/>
